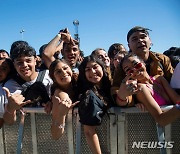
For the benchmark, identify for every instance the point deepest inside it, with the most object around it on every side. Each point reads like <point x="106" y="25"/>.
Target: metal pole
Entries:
<point x="22" y="32"/>
<point x="76" y="35"/>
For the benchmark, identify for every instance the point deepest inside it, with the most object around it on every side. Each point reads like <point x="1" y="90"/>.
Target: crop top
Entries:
<point x="158" y="98"/>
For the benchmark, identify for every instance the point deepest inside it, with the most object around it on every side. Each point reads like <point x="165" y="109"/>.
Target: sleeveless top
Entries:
<point x="158" y="98"/>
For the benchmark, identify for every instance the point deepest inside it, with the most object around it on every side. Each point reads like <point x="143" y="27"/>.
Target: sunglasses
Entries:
<point x="136" y="67"/>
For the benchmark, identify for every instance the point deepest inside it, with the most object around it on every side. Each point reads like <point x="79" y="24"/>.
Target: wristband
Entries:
<point x="61" y="126"/>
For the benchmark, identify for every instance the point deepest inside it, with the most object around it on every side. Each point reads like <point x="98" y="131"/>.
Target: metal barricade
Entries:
<point x="117" y="133"/>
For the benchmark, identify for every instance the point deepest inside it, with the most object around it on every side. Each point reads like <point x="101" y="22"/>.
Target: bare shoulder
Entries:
<point x="159" y="78"/>
<point x="61" y="94"/>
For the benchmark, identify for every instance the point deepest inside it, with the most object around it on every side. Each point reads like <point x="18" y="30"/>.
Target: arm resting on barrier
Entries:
<point x="163" y="118"/>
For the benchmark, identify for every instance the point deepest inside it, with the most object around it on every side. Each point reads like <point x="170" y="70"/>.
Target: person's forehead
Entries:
<point x="3" y="52"/>
<point x="71" y="46"/>
<point x="138" y="33"/>
<point x="22" y="58"/>
<point x="119" y="55"/>
<point x="91" y="63"/>
<point x="61" y="64"/>
<point x="101" y="52"/>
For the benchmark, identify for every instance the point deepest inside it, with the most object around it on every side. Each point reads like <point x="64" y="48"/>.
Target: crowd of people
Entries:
<point x="117" y="77"/>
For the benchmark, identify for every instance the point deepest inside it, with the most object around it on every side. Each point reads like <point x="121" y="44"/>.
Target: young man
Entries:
<point x="140" y="43"/>
<point x="24" y="59"/>
<point x="64" y="43"/>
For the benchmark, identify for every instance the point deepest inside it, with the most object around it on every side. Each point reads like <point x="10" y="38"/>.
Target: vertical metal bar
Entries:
<point x="113" y="134"/>
<point x="168" y="137"/>
<point x="70" y="133"/>
<point x="121" y="134"/>
<point x="20" y="133"/>
<point x="1" y="141"/>
<point x="78" y="133"/>
<point x="161" y="137"/>
<point x="33" y="131"/>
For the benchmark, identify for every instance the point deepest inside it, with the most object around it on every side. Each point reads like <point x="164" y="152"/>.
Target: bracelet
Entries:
<point x="61" y="126"/>
<point x="6" y="110"/>
<point x="177" y="106"/>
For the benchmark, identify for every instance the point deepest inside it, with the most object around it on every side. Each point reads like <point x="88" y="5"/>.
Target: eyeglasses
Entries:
<point x="136" y="67"/>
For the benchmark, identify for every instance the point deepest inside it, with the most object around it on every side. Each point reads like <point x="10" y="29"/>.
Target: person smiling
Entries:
<point x="24" y="59"/>
<point x="139" y="42"/>
<point x="66" y="45"/>
<point x="63" y="95"/>
<point x="102" y="55"/>
<point x="153" y="91"/>
<point x="93" y="81"/>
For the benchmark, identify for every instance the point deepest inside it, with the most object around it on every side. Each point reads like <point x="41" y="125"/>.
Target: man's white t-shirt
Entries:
<point x="14" y="87"/>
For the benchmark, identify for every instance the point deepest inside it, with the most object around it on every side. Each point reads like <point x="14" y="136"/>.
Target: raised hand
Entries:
<point x="67" y="38"/>
<point x="62" y="106"/>
<point x="129" y="86"/>
<point x="15" y="101"/>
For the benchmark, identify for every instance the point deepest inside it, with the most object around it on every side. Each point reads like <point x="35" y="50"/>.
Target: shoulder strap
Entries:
<point x="41" y="76"/>
<point x="18" y="79"/>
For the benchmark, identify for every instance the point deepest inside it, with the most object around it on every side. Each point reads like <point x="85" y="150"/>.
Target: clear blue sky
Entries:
<point x="102" y="22"/>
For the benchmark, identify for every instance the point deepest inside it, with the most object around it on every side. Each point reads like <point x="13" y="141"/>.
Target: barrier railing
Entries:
<point x="117" y="134"/>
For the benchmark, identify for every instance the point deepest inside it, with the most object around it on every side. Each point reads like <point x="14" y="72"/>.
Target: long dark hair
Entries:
<point x="51" y="74"/>
<point x="84" y="85"/>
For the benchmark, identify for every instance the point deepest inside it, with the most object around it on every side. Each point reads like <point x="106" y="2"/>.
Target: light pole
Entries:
<point x="76" y="35"/>
<point x="22" y="33"/>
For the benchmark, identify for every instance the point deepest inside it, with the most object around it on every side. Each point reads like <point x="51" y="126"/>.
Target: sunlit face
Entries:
<point x="71" y="54"/>
<point x="4" y="70"/>
<point x="62" y="74"/>
<point x="133" y="66"/>
<point x="93" y="72"/>
<point x="117" y="59"/>
<point x="25" y="66"/>
<point x="102" y="55"/>
<point x="4" y="55"/>
<point x="139" y="43"/>
<point x="121" y="48"/>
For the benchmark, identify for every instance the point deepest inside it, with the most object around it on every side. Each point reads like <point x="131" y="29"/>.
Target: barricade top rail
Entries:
<point x="119" y="110"/>
<point x="116" y="110"/>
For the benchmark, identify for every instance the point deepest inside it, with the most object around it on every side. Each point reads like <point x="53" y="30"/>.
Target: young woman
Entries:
<point x="152" y="92"/>
<point x="93" y="77"/>
<point x="64" y="84"/>
<point x="6" y="72"/>
<point x="102" y="55"/>
<point x="117" y="58"/>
